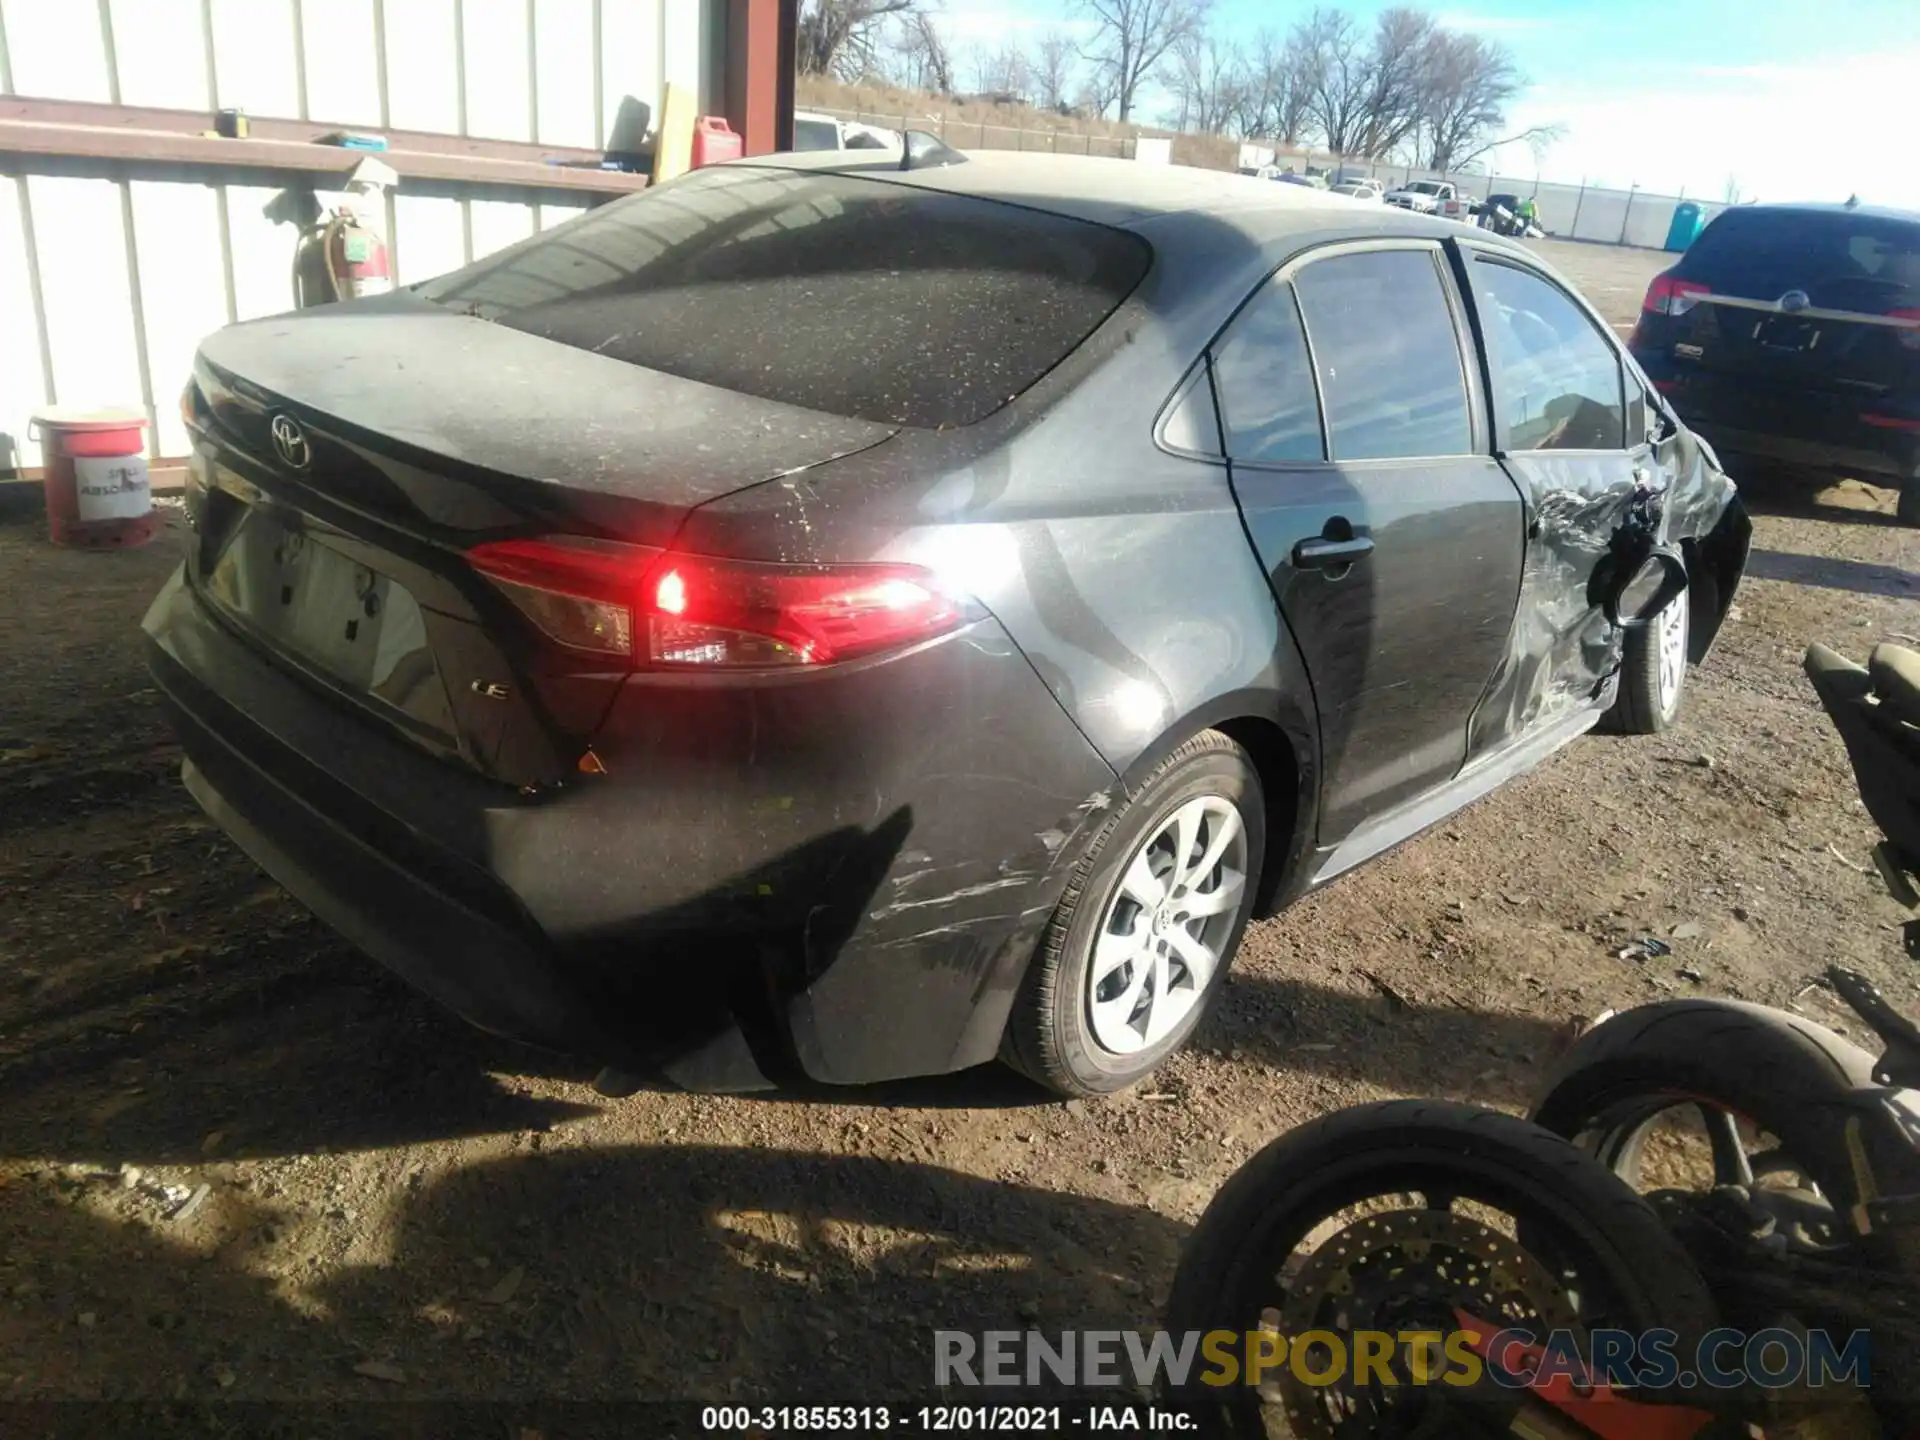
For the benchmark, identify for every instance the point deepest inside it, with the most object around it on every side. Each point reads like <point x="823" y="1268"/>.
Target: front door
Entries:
<point x="1392" y="537"/>
<point x="1570" y="424"/>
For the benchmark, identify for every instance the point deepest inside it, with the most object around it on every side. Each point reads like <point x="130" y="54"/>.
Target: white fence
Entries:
<point x="107" y="286"/>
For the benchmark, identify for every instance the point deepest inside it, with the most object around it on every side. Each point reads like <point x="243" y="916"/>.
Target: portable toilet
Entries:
<point x="1686" y="226"/>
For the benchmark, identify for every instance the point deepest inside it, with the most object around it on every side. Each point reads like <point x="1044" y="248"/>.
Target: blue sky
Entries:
<point x="1792" y="99"/>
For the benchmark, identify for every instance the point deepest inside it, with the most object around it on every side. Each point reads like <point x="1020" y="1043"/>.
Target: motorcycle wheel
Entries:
<point x="1437" y="1192"/>
<point x="1769" y="1094"/>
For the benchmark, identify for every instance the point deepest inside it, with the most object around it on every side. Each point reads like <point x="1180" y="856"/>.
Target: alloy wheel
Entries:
<point x="1167" y="925"/>
<point x="1671" y="643"/>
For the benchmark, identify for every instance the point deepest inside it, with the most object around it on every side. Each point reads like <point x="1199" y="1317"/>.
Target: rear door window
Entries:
<point x="862" y="298"/>
<point x="1388" y="354"/>
<point x="1265" y="382"/>
<point x="1556" y="380"/>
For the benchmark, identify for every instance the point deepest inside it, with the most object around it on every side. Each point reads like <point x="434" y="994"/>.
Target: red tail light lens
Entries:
<point x="672" y="609"/>
<point x="1909" y="333"/>
<point x="579" y="592"/>
<point x="1670" y="296"/>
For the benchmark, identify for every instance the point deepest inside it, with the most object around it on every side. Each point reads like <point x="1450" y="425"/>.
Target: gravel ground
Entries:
<point x="238" y="1161"/>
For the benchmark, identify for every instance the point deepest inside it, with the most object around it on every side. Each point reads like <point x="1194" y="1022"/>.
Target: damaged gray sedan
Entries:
<point x="836" y="620"/>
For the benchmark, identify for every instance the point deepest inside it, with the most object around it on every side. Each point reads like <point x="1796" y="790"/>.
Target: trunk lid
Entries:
<point x="1808" y="300"/>
<point x="350" y="456"/>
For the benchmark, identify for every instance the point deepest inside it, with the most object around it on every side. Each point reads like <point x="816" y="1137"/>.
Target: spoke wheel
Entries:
<point x="1167" y="926"/>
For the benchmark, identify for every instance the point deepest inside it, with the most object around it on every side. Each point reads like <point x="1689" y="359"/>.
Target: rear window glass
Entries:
<point x="1265" y="380"/>
<point x="857" y="297"/>
<point x="1839" y="258"/>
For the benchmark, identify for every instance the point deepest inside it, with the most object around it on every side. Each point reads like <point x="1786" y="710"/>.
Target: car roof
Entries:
<point x="1877" y="212"/>
<point x="1134" y="196"/>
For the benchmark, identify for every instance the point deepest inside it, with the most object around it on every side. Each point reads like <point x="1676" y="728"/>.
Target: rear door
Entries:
<point x="1573" y="433"/>
<point x="1797" y="303"/>
<point x="1391" y="536"/>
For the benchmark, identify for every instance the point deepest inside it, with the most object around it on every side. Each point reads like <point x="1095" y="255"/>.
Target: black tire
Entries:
<point x="1049" y="1034"/>
<point x="1908" y="510"/>
<point x="1792" y="1078"/>
<point x="1315" y="1171"/>
<point x="1642" y="707"/>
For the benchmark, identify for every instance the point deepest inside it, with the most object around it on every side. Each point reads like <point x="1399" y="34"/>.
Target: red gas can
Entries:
<point x="95" y="468"/>
<point x="715" y="140"/>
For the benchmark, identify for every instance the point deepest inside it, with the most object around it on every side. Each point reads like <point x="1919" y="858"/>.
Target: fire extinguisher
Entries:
<point x="340" y="258"/>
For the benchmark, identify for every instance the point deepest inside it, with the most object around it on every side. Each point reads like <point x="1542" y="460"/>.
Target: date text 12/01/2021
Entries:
<point x="947" y="1419"/>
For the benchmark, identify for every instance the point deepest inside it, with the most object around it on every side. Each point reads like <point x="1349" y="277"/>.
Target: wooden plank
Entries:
<point x="195" y="122"/>
<point x="673" y="147"/>
<point x="137" y="152"/>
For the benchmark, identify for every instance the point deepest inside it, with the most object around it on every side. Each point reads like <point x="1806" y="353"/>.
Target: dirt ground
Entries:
<point x="238" y="1161"/>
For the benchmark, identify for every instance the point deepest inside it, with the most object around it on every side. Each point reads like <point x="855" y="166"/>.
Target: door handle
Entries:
<point x="1325" y="553"/>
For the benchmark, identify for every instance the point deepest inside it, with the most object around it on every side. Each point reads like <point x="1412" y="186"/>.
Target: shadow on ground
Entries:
<point x="629" y="1273"/>
<point x="1832" y="572"/>
<point x="1379" y="1037"/>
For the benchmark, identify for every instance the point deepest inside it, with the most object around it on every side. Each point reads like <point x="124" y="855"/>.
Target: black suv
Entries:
<point x="1791" y="333"/>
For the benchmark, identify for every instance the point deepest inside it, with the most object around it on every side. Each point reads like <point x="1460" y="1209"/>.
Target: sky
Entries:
<point x="1787" y="99"/>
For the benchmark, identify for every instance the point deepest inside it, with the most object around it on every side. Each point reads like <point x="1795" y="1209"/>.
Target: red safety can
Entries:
<point x="715" y="140"/>
<point x="94" y="465"/>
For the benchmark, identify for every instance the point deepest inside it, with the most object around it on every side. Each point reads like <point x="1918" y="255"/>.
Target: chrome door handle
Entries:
<point x="1321" y="553"/>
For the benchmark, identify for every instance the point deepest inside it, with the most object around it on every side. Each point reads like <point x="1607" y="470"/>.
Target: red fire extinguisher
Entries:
<point x="340" y="258"/>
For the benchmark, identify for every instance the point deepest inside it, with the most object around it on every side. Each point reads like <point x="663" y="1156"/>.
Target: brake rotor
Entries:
<point x="1398" y="1271"/>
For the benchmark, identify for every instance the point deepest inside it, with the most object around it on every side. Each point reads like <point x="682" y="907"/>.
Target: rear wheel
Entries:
<point x="1653" y="672"/>
<point x="1142" y="938"/>
<point x="1909" y="508"/>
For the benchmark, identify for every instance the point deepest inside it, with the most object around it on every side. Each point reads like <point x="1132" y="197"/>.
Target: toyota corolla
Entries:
<point x="838" y="621"/>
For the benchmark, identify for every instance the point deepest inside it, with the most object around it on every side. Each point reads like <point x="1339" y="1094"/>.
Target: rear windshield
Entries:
<point x="858" y="297"/>
<point x="1837" y="257"/>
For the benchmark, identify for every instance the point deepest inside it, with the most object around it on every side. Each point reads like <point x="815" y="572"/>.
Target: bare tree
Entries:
<point x="1209" y="82"/>
<point x="841" y="37"/>
<point x="1334" y="53"/>
<point x="1274" y="91"/>
<point x="1052" y="69"/>
<point x="1396" y="74"/>
<point x="921" y="59"/>
<point x="1007" y="71"/>
<point x="1469" y="80"/>
<point x="1134" y="36"/>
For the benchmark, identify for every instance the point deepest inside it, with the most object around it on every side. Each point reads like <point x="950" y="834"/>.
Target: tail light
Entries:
<point x="651" y="608"/>
<point x="1909" y="333"/>
<point x="1668" y="295"/>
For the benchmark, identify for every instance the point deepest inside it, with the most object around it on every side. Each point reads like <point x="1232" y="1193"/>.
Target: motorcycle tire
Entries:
<point x="1312" y="1173"/>
<point x="1790" y="1077"/>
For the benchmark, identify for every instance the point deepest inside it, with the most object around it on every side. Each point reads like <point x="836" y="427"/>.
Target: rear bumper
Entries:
<point x="730" y="902"/>
<point x="1793" y="427"/>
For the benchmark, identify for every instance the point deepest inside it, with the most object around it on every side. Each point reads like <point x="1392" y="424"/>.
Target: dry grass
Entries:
<point x="985" y="125"/>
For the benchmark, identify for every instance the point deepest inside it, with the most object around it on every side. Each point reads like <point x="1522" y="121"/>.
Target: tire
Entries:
<point x="1054" y="1035"/>
<point x="1652" y="689"/>
<point x="1908" y="510"/>
<point x="1790" y="1077"/>
<point x="1387" y="1147"/>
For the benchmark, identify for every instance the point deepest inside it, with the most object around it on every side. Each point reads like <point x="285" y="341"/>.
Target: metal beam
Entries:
<point x="758" y="97"/>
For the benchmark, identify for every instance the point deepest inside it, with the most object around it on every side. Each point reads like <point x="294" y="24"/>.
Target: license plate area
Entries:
<point x="1787" y="335"/>
<point x="339" y="618"/>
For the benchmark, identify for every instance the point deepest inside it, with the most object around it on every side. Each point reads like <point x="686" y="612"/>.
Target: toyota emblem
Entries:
<point x="290" y="443"/>
<point x="1794" y="301"/>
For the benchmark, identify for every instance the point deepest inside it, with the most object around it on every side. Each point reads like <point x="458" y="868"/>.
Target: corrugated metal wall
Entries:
<point x="504" y="69"/>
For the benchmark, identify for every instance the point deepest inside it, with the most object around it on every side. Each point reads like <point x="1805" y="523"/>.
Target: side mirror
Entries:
<point x="1646" y="590"/>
